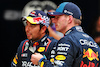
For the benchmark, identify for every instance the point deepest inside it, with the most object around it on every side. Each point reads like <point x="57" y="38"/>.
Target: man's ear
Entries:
<point x="70" y="18"/>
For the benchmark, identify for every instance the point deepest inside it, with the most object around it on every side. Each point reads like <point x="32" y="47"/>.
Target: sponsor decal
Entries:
<point x="54" y="47"/>
<point x="33" y="12"/>
<point x="60" y="57"/>
<point x="68" y="32"/>
<point x="42" y="63"/>
<point x="41" y="49"/>
<point x="85" y="35"/>
<point x="62" y="53"/>
<point x="52" y="59"/>
<point x="45" y="43"/>
<point x="52" y="55"/>
<point x="35" y="44"/>
<point x="15" y="59"/>
<point x="26" y="46"/>
<point x="88" y="43"/>
<point x="60" y="63"/>
<point x="90" y="54"/>
<point x="78" y="28"/>
<point x="32" y="49"/>
<point x="24" y="55"/>
<point x="43" y="38"/>
<point x="49" y="41"/>
<point x="38" y="19"/>
<point x="91" y="64"/>
<point x="66" y="11"/>
<point x="53" y="52"/>
<point x="26" y="64"/>
<point x="64" y="45"/>
<point x="63" y="48"/>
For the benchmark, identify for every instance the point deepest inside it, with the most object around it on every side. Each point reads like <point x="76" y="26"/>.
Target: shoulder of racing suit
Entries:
<point x="21" y="46"/>
<point x="73" y="47"/>
<point x="50" y="41"/>
<point x="16" y="59"/>
<point x="78" y="44"/>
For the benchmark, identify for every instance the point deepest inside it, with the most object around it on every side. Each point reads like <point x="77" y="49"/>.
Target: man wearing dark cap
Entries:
<point x="37" y="40"/>
<point x="76" y="48"/>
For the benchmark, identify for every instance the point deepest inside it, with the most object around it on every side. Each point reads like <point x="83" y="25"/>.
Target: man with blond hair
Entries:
<point x="76" y="48"/>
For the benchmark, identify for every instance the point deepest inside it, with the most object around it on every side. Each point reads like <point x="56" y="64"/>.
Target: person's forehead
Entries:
<point x="28" y="22"/>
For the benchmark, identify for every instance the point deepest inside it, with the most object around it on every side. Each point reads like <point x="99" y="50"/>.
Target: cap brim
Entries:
<point x="30" y="19"/>
<point x="54" y="13"/>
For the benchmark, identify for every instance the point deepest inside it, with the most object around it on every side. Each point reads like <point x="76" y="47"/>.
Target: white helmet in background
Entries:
<point x="38" y="5"/>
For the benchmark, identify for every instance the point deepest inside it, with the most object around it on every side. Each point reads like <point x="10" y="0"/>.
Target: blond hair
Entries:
<point x="77" y="21"/>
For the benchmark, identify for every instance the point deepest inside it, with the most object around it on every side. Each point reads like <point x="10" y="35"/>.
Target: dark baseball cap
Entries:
<point x="67" y="8"/>
<point x="37" y="17"/>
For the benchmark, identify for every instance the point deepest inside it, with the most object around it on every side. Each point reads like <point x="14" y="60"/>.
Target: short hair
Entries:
<point x="46" y="31"/>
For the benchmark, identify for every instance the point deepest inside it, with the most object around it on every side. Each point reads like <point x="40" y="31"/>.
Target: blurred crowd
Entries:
<point x="94" y="31"/>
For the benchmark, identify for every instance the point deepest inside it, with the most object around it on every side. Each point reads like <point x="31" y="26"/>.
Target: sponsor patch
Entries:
<point x="88" y="43"/>
<point x="90" y="54"/>
<point x="24" y="55"/>
<point x="52" y="60"/>
<point x="60" y="57"/>
<point x="42" y="63"/>
<point x="91" y="64"/>
<point x="60" y="63"/>
<point x="15" y="59"/>
<point x="41" y="49"/>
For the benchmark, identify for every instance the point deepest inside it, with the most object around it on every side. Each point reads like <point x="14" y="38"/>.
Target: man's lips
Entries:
<point x="28" y="34"/>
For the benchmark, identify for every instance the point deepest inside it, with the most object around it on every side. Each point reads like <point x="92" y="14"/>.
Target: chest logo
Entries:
<point x="60" y="57"/>
<point x="41" y="49"/>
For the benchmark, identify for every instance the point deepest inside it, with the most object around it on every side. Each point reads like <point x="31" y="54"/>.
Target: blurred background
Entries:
<point x="12" y="29"/>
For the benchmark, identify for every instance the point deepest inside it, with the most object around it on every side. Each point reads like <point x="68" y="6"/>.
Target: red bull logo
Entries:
<point x="90" y="54"/>
<point x="37" y="19"/>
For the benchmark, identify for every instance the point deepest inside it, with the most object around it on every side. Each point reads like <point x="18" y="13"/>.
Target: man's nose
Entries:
<point x="27" y="28"/>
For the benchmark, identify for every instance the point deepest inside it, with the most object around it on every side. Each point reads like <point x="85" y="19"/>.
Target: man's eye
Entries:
<point x="57" y="17"/>
<point x="33" y="25"/>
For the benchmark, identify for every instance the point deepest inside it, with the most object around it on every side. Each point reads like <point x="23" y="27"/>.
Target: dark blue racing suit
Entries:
<point x="75" y="49"/>
<point x="44" y="46"/>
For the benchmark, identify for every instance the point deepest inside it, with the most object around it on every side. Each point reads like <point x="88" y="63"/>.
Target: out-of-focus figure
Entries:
<point x="96" y="32"/>
<point x="38" y="5"/>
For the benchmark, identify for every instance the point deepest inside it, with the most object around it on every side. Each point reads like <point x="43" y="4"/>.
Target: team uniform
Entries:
<point x="42" y="46"/>
<point x="75" y="49"/>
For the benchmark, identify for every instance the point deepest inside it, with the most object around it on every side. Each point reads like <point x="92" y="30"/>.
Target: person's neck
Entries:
<point x="68" y="28"/>
<point x="39" y="38"/>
